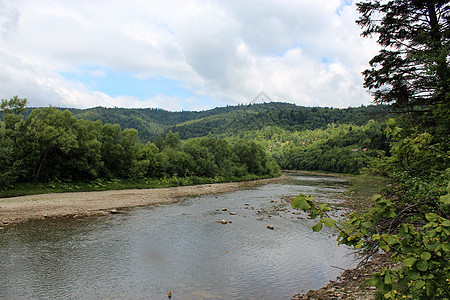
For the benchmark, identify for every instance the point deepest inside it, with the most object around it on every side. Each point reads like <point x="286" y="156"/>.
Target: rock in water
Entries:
<point x="169" y="294"/>
<point x="271" y="227"/>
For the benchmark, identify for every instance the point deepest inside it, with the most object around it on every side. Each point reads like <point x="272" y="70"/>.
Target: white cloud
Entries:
<point x="307" y="52"/>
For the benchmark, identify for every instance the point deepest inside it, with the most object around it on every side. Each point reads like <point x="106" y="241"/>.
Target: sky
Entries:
<point x="182" y="54"/>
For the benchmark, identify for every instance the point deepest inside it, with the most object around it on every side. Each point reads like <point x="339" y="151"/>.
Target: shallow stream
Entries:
<point x="146" y="251"/>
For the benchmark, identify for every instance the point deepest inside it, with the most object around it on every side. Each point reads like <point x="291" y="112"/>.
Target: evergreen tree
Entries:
<point x="411" y="70"/>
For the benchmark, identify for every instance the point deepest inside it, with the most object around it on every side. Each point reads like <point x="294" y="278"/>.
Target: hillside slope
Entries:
<point x="229" y="120"/>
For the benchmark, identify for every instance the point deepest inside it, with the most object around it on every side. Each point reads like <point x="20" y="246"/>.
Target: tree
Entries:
<point x="172" y="140"/>
<point x="15" y="106"/>
<point x="50" y="136"/>
<point x="411" y="70"/>
<point x="410" y="221"/>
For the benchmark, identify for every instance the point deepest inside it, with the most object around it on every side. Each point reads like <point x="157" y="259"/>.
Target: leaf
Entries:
<point x="300" y="202"/>
<point x="328" y="222"/>
<point x="409" y="262"/>
<point x="425" y="256"/>
<point x="445" y="199"/>
<point x="390" y="239"/>
<point x="396" y="130"/>
<point x="414" y="275"/>
<point x="391" y="214"/>
<point x="324" y="207"/>
<point x="317" y="227"/>
<point x="367" y="224"/>
<point x="431" y="217"/>
<point x="376" y="281"/>
<point x="359" y="245"/>
<point x="387" y="278"/>
<point x="419" y="284"/>
<point x="422" y="265"/>
<point x="375" y="197"/>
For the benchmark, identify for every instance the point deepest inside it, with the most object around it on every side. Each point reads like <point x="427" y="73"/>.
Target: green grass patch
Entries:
<point x="23" y="189"/>
<point x="365" y="186"/>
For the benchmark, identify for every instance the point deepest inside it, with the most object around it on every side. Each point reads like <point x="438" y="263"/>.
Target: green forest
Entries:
<point x="403" y="137"/>
<point x="50" y="145"/>
<point x="231" y="120"/>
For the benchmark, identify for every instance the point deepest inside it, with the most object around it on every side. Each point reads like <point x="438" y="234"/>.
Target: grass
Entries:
<point x="363" y="187"/>
<point x="24" y="189"/>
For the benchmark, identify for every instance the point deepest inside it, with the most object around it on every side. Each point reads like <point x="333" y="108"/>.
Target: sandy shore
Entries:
<point x="20" y="209"/>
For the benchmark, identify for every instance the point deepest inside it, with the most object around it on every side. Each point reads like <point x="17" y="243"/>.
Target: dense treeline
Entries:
<point x="49" y="144"/>
<point x="286" y="116"/>
<point x="338" y="148"/>
<point x="150" y="123"/>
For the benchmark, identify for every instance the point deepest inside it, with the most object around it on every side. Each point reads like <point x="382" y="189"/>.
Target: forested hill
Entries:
<point x="151" y="122"/>
<point x="286" y="116"/>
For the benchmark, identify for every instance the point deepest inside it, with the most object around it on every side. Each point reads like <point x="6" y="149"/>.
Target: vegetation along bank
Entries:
<point x="408" y="219"/>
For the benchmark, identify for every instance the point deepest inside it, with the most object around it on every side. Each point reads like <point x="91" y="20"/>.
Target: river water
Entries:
<point x="146" y="251"/>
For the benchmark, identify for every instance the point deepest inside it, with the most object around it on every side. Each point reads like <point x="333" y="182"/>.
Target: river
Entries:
<point x="146" y="251"/>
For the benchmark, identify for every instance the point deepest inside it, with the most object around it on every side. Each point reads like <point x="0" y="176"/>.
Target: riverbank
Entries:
<point x="23" y="208"/>
<point x="351" y="283"/>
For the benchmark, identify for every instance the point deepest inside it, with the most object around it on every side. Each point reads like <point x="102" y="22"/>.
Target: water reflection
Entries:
<point x="147" y="251"/>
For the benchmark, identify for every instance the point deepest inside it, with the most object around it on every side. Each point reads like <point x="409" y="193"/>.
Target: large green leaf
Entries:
<point x="300" y="202"/>
<point x="317" y="227"/>
<point x="328" y="222"/>
<point x="425" y="255"/>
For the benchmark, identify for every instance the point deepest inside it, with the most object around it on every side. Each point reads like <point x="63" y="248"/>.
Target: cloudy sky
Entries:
<point x="182" y="54"/>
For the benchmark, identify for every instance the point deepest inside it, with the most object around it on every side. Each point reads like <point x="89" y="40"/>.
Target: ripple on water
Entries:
<point x="147" y="251"/>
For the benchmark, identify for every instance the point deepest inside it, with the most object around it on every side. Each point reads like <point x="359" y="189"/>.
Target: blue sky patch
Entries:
<point x="114" y="83"/>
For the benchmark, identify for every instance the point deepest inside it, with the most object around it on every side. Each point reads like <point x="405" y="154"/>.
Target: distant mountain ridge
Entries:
<point x="152" y="122"/>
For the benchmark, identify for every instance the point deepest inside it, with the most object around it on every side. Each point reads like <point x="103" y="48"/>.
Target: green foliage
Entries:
<point x="289" y="117"/>
<point x="425" y="257"/>
<point x="424" y="251"/>
<point x="306" y="203"/>
<point x="410" y="221"/>
<point x="411" y="70"/>
<point x="342" y="148"/>
<point x="230" y="120"/>
<point x="13" y="106"/>
<point x="50" y="145"/>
